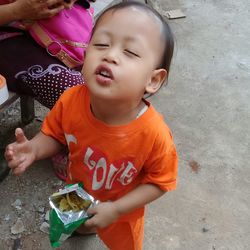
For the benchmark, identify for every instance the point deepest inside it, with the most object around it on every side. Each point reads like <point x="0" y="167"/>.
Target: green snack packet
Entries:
<point x="68" y="211"/>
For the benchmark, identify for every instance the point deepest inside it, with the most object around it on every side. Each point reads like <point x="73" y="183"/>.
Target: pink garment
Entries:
<point x="64" y="36"/>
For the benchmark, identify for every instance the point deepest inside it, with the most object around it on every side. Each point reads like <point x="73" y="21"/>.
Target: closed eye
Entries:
<point x="131" y="53"/>
<point x="102" y="45"/>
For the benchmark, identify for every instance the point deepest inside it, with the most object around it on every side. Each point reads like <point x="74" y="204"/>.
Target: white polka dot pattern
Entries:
<point x="48" y="84"/>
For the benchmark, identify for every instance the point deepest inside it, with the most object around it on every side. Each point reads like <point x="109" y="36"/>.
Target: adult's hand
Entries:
<point x="29" y="10"/>
<point x="36" y="9"/>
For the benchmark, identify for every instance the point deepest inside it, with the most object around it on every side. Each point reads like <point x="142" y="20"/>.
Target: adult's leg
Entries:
<point x="30" y="70"/>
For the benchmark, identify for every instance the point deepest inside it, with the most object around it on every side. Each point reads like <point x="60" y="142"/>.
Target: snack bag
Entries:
<point x="68" y="211"/>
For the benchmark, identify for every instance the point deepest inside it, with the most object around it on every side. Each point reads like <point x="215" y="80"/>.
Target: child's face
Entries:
<point x="122" y="56"/>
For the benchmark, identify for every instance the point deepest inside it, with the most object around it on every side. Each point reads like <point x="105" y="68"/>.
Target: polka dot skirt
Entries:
<point x="49" y="83"/>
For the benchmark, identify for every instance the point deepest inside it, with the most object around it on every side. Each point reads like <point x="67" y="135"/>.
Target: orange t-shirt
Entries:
<point x="112" y="160"/>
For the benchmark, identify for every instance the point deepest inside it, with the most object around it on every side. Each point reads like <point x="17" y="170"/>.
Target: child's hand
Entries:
<point x="103" y="213"/>
<point x="19" y="154"/>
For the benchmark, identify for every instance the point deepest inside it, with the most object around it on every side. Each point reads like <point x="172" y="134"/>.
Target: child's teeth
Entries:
<point x="104" y="73"/>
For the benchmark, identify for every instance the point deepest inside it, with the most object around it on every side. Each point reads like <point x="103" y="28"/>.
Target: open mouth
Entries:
<point x="104" y="72"/>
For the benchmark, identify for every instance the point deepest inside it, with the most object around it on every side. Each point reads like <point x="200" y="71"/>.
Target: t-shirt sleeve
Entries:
<point x="52" y="124"/>
<point x="161" y="166"/>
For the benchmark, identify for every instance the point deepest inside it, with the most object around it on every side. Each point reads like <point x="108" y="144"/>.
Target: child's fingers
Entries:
<point x="20" y="137"/>
<point x="91" y="222"/>
<point x="16" y="162"/>
<point x="19" y="170"/>
<point x="92" y="211"/>
<point x="20" y="167"/>
<point x="8" y="153"/>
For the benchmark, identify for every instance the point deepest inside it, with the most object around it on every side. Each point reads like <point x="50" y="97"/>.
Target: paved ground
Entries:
<point x="207" y="106"/>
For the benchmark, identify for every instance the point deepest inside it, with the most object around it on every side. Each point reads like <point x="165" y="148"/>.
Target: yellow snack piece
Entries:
<point x="63" y="205"/>
<point x="73" y="202"/>
<point x="85" y="204"/>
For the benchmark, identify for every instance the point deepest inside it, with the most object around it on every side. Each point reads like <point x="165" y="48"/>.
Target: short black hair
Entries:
<point x="166" y="30"/>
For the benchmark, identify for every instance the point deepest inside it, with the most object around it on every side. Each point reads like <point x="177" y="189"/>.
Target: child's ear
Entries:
<point x="157" y="79"/>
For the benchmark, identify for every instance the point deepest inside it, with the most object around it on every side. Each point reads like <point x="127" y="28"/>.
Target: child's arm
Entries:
<point x="23" y="152"/>
<point x="107" y="212"/>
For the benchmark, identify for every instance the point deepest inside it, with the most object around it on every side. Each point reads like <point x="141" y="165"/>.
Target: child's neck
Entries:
<point x="116" y="114"/>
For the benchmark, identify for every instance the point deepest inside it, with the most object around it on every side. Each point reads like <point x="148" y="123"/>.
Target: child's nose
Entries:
<point x="111" y="56"/>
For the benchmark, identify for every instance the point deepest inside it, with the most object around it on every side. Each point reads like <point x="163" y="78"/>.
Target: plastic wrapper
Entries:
<point x="68" y="211"/>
